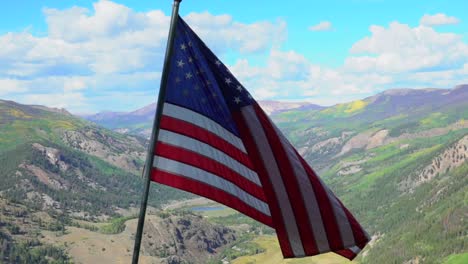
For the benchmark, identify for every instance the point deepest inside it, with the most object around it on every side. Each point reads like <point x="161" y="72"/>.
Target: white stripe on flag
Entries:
<point x="341" y="219"/>
<point x="308" y="195"/>
<point x="205" y="177"/>
<point x="204" y="149"/>
<point x="204" y="122"/>
<point x="269" y="162"/>
<point x="355" y="249"/>
<point x="306" y="188"/>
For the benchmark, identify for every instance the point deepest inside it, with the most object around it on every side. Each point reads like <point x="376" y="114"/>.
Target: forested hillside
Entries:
<point x="66" y="168"/>
<point x="398" y="160"/>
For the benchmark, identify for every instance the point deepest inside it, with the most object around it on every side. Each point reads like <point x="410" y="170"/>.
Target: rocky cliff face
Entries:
<point x="185" y="238"/>
<point x="122" y="152"/>
<point x="451" y="158"/>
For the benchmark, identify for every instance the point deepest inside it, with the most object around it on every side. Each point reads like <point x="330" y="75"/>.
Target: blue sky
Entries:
<point x="90" y="56"/>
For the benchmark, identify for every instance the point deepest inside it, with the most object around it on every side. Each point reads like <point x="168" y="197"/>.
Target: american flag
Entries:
<point x="216" y="141"/>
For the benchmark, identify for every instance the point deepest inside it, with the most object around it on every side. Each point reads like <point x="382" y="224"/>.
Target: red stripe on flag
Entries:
<point x="278" y="221"/>
<point x="349" y="254"/>
<point x="198" y="133"/>
<point x="291" y="184"/>
<point x="209" y="165"/>
<point x="326" y="209"/>
<point x="200" y="188"/>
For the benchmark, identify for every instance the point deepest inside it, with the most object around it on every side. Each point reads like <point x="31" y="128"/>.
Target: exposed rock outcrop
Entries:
<point x="371" y="139"/>
<point x="185" y="239"/>
<point x="124" y="155"/>
<point x="451" y="158"/>
<point x="52" y="155"/>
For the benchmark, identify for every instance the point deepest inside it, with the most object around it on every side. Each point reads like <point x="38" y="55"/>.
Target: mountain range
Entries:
<point x="398" y="161"/>
<point x="140" y="121"/>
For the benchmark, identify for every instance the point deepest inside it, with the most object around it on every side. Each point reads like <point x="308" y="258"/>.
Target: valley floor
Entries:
<point x="85" y="246"/>
<point x="273" y="255"/>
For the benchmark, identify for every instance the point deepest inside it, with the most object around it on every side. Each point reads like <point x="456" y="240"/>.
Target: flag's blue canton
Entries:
<point x="198" y="80"/>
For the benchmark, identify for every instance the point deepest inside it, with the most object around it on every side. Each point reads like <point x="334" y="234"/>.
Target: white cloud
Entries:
<point x="90" y="52"/>
<point x="69" y="101"/>
<point x="111" y="56"/>
<point x="400" y="48"/>
<point x="8" y="86"/>
<point x="411" y="57"/>
<point x="322" y="26"/>
<point x="438" y="20"/>
<point x="109" y="19"/>
<point x="74" y="84"/>
<point x="115" y="39"/>
<point x="289" y="75"/>
<point x="222" y="32"/>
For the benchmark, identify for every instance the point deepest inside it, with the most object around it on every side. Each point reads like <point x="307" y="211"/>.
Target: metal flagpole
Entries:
<point x="154" y="135"/>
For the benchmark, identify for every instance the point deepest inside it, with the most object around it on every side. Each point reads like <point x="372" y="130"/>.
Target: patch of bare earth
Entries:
<point x="173" y="239"/>
<point x="350" y="170"/>
<point x="329" y="145"/>
<point x="359" y="141"/>
<point x="52" y="180"/>
<point x="377" y="139"/>
<point x="371" y="139"/>
<point x="351" y="167"/>
<point x="186" y="203"/>
<point x="86" y="246"/>
<point x="434" y="132"/>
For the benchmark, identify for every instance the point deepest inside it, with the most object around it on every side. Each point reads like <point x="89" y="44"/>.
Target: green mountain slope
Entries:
<point x="398" y="160"/>
<point x="52" y="160"/>
<point x="140" y="121"/>
<point x="55" y="170"/>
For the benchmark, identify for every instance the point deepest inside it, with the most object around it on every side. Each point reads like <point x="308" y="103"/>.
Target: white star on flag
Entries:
<point x="227" y="149"/>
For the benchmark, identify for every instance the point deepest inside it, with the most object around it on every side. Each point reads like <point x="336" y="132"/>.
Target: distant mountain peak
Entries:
<point x="149" y="109"/>
<point x="405" y="91"/>
<point x="52" y="109"/>
<point x="418" y="92"/>
<point x="40" y="107"/>
<point x="461" y="87"/>
<point x="272" y="107"/>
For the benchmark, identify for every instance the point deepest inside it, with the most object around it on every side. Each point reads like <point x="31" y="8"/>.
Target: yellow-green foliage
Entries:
<point x="370" y="178"/>
<point x="218" y="213"/>
<point x="356" y="106"/>
<point x="18" y="114"/>
<point x="346" y="109"/>
<point x="457" y="259"/>
<point x="67" y="125"/>
<point x="434" y="120"/>
<point x="273" y="255"/>
<point x="116" y="225"/>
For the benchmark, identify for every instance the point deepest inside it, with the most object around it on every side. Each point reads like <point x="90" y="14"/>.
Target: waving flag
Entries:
<point x="216" y="141"/>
